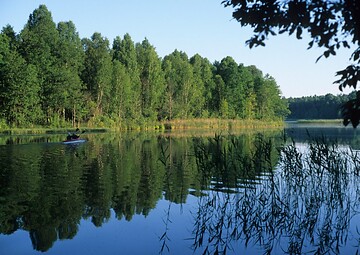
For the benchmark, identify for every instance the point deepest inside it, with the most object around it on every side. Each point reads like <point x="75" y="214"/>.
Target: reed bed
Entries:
<point x="221" y="124"/>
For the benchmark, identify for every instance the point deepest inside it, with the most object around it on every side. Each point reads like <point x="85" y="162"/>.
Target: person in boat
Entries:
<point x="73" y="136"/>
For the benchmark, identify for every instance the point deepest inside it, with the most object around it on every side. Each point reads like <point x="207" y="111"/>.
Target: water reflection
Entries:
<point x="251" y="193"/>
<point x="47" y="188"/>
<point x="309" y="205"/>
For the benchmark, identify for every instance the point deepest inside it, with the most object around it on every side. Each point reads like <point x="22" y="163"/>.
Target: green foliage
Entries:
<point x="49" y="76"/>
<point x="70" y="63"/>
<point x="39" y="41"/>
<point x="179" y="85"/>
<point x="151" y="79"/>
<point x="120" y="102"/>
<point x="97" y="71"/>
<point x="124" y="51"/>
<point x="19" y="90"/>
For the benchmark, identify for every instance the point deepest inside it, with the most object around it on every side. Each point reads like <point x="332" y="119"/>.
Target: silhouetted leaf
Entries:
<point x="298" y="33"/>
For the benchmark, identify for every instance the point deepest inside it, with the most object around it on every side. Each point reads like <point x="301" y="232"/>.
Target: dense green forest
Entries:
<point x="51" y="77"/>
<point x="318" y="107"/>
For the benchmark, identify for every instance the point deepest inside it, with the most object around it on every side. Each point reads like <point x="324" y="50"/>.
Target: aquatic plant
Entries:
<point x="303" y="205"/>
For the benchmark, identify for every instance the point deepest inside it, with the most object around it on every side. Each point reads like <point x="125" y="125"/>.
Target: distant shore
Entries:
<point x="316" y="121"/>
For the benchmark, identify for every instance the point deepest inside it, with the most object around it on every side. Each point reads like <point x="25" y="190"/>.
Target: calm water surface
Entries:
<point x="181" y="193"/>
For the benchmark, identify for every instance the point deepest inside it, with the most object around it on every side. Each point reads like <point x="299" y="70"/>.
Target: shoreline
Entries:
<point x="189" y="124"/>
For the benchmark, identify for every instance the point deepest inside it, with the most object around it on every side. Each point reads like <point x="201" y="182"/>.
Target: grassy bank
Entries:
<point x="190" y="124"/>
<point x="225" y="124"/>
<point x="35" y="131"/>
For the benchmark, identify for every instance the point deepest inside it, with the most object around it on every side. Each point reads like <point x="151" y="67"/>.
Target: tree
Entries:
<point x="330" y="24"/>
<point x="39" y="40"/>
<point x="203" y="78"/>
<point x="70" y="59"/>
<point x="19" y="87"/>
<point x="98" y="70"/>
<point x="151" y="78"/>
<point x="234" y="91"/>
<point x="181" y="94"/>
<point x="249" y="101"/>
<point x="13" y="37"/>
<point x="124" y="51"/>
<point x="218" y="95"/>
<point x="277" y="107"/>
<point x="120" y="101"/>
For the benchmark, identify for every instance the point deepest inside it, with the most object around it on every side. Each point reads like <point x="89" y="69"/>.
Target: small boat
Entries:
<point x="74" y="141"/>
<point x="74" y="138"/>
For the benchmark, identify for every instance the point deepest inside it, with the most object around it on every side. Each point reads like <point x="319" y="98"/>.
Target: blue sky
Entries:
<point x="192" y="26"/>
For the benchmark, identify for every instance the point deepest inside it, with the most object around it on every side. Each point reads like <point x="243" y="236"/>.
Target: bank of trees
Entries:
<point x="49" y="76"/>
<point x="318" y="107"/>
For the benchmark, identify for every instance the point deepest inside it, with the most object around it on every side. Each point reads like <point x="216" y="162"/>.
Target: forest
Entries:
<point x="50" y="77"/>
<point x="318" y="107"/>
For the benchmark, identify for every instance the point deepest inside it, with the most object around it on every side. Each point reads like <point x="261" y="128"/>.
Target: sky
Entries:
<point x="192" y="26"/>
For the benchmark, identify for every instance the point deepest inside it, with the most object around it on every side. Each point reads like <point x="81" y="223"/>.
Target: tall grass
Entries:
<point x="226" y="124"/>
<point x="104" y="124"/>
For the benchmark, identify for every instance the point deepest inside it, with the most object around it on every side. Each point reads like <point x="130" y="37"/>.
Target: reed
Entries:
<point x="220" y="124"/>
<point x="146" y="125"/>
<point x="305" y="205"/>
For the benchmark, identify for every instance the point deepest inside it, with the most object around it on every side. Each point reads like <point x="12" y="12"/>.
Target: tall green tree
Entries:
<point x="125" y="52"/>
<point x="19" y="88"/>
<point x="39" y="40"/>
<point x="97" y="72"/>
<point x="270" y="105"/>
<point x="70" y="61"/>
<point x="120" y="101"/>
<point x="218" y="96"/>
<point x="13" y="37"/>
<point x="181" y="94"/>
<point x="280" y="104"/>
<point x="249" y="102"/>
<point x="234" y="92"/>
<point x="151" y="79"/>
<point x="204" y="85"/>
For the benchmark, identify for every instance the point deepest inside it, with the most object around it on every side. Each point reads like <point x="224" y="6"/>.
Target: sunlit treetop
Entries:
<point x="330" y="24"/>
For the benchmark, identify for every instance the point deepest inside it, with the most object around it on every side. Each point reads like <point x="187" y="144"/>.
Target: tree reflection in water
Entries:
<point x="306" y="205"/>
<point x="248" y="195"/>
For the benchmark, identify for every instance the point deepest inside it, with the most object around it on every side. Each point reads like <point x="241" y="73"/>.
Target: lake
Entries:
<point x="261" y="192"/>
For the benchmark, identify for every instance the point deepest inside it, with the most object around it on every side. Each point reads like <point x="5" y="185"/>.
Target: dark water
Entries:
<point x="179" y="193"/>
